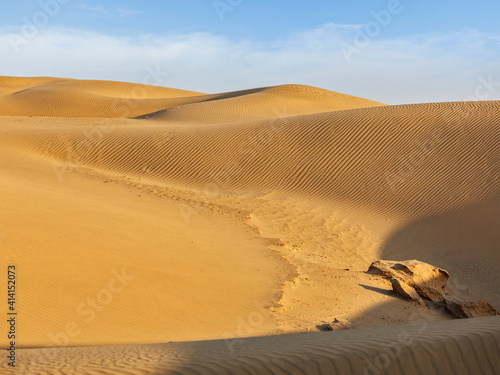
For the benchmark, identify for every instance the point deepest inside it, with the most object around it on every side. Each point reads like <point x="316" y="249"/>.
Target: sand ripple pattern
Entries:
<point x="412" y="160"/>
<point x="55" y="97"/>
<point x="408" y="161"/>
<point x="456" y="347"/>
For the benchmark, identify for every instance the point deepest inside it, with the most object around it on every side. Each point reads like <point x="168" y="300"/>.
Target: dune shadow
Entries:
<point x="179" y="102"/>
<point x="464" y="242"/>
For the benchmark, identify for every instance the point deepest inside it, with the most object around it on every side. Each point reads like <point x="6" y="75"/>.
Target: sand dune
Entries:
<point x="262" y="104"/>
<point x="83" y="98"/>
<point x="412" y="160"/>
<point x="56" y="97"/>
<point x="240" y="214"/>
<point x="403" y="162"/>
<point x="424" y="348"/>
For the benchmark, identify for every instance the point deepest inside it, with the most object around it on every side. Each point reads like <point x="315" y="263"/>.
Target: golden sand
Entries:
<point x="144" y="215"/>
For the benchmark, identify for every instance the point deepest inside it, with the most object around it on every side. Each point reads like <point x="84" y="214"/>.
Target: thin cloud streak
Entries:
<point x="97" y="9"/>
<point x="101" y="10"/>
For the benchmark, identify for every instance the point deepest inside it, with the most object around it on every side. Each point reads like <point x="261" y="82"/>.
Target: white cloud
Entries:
<point x="128" y="12"/>
<point x="97" y="9"/>
<point x="100" y="10"/>
<point x="422" y="68"/>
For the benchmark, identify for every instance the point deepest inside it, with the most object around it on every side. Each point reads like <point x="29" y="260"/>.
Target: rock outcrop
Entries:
<point x="423" y="282"/>
<point x="469" y="309"/>
<point x="336" y="324"/>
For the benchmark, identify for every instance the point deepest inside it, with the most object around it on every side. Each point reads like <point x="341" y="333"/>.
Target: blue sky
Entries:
<point x="396" y="51"/>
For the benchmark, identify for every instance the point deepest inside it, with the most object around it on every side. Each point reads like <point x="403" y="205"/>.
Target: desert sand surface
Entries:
<point x="413" y="349"/>
<point x="144" y="221"/>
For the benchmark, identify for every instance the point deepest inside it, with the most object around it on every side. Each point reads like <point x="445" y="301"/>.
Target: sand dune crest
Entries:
<point x="239" y="214"/>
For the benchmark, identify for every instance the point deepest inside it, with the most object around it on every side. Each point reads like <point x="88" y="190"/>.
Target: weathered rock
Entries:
<point x="337" y="324"/>
<point x="406" y="291"/>
<point x="428" y="281"/>
<point x="420" y="282"/>
<point x="469" y="309"/>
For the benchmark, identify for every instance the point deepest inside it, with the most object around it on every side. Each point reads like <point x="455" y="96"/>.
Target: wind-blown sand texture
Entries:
<point x="142" y="215"/>
<point x="423" y="348"/>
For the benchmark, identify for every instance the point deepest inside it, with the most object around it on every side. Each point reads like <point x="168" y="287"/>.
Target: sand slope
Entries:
<point x="241" y="214"/>
<point x="405" y="163"/>
<point x="123" y="266"/>
<point x="412" y="160"/>
<point x="57" y="97"/>
<point x="458" y="347"/>
<point x="264" y="103"/>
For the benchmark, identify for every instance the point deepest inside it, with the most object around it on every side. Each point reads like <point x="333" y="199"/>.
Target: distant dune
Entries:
<point x="55" y="97"/>
<point x="142" y="215"/>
